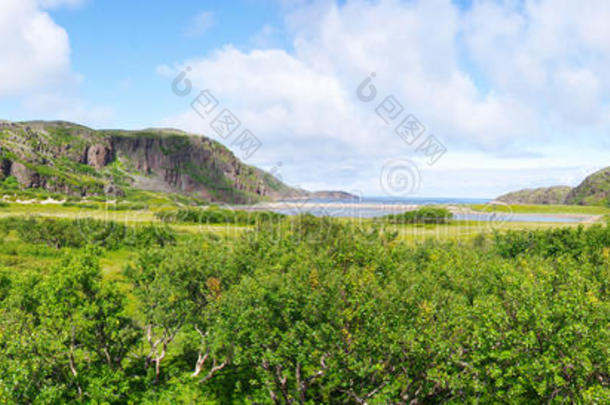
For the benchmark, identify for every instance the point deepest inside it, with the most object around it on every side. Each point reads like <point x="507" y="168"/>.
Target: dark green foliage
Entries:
<point x="216" y="215"/>
<point x="9" y="184"/>
<point x="65" y="336"/>
<point x="315" y="311"/>
<point x="579" y="242"/>
<point x="423" y="215"/>
<point x="61" y="233"/>
<point x="90" y="206"/>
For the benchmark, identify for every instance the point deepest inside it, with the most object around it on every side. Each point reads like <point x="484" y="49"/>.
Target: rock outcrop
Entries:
<point x="73" y="159"/>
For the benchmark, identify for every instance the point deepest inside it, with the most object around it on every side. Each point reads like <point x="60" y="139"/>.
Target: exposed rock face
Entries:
<point x="26" y="177"/>
<point x="113" y="190"/>
<point x="98" y="156"/>
<point x="55" y="156"/>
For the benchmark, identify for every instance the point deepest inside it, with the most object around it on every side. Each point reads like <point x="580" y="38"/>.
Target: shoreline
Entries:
<point x="391" y="208"/>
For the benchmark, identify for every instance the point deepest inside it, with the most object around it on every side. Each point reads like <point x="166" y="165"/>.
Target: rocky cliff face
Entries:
<point x="72" y="159"/>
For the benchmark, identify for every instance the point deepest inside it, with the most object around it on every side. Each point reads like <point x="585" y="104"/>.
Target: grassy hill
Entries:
<point x="594" y="190"/>
<point x="50" y="159"/>
<point x="542" y="195"/>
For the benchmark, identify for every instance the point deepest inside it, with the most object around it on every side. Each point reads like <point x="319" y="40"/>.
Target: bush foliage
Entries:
<point x="423" y="215"/>
<point x="216" y="215"/>
<point x="61" y="233"/>
<point x="313" y="311"/>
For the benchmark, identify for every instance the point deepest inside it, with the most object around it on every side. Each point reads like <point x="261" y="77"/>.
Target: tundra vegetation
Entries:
<point x="300" y="310"/>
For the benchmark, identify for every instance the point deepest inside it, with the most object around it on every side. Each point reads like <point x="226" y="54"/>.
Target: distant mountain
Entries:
<point x="542" y="195"/>
<point x="66" y="158"/>
<point x="320" y="195"/>
<point x="594" y="190"/>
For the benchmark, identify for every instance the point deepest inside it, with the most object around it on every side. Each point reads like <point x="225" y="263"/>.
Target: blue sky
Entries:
<point x="515" y="92"/>
<point x="117" y="45"/>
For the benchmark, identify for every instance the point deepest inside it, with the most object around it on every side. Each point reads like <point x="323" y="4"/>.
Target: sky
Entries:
<point x="423" y="98"/>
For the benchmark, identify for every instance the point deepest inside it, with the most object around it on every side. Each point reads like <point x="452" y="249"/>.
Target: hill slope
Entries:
<point x="71" y="159"/>
<point x="542" y="195"/>
<point x="594" y="190"/>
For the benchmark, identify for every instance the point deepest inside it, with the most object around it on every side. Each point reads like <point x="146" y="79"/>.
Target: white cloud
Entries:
<point x="551" y="54"/>
<point x="499" y="77"/>
<point x="37" y="74"/>
<point x="200" y="24"/>
<point x="35" y="50"/>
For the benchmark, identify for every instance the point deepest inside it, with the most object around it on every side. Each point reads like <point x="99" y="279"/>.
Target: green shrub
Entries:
<point x="423" y="215"/>
<point x="126" y="207"/>
<point x="215" y="215"/>
<point x="91" y="206"/>
<point x="574" y="242"/>
<point x="311" y="311"/>
<point x="61" y="233"/>
<point x="9" y="183"/>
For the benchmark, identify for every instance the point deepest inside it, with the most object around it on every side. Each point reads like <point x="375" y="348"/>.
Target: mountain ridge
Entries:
<point x="593" y="190"/>
<point x="72" y="159"/>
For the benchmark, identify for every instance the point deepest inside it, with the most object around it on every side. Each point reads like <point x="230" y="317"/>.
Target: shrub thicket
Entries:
<point x="77" y="233"/>
<point x="423" y="215"/>
<point x="215" y="215"/>
<point x="354" y="318"/>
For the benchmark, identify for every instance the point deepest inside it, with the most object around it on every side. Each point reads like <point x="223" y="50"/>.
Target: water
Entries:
<point x="371" y="207"/>
<point x="403" y="201"/>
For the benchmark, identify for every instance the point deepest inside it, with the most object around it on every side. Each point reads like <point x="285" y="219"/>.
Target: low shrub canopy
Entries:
<point x="314" y="311"/>
<point x="423" y="215"/>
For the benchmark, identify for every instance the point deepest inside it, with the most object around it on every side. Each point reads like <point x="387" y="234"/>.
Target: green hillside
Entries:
<point x="56" y="159"/>
<point x="594" y="190"/>
<point x="542" y="195"/>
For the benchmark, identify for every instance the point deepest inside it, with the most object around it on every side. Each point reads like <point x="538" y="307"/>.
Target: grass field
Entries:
<point x="544" y="209"/>
<point x="456" y="230"/>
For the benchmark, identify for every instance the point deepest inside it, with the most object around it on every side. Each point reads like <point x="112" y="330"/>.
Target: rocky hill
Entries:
<point x="542" y="195"/>
<point x="594" y="190"/>
<point x="71" y="159"/>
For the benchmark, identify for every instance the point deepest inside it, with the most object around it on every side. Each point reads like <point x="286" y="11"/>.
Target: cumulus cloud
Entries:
<point x="37" y="73"/>
<point x="551" y="55"/>
<point x="36" y="51"/>
<point x="495" y="77"/>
